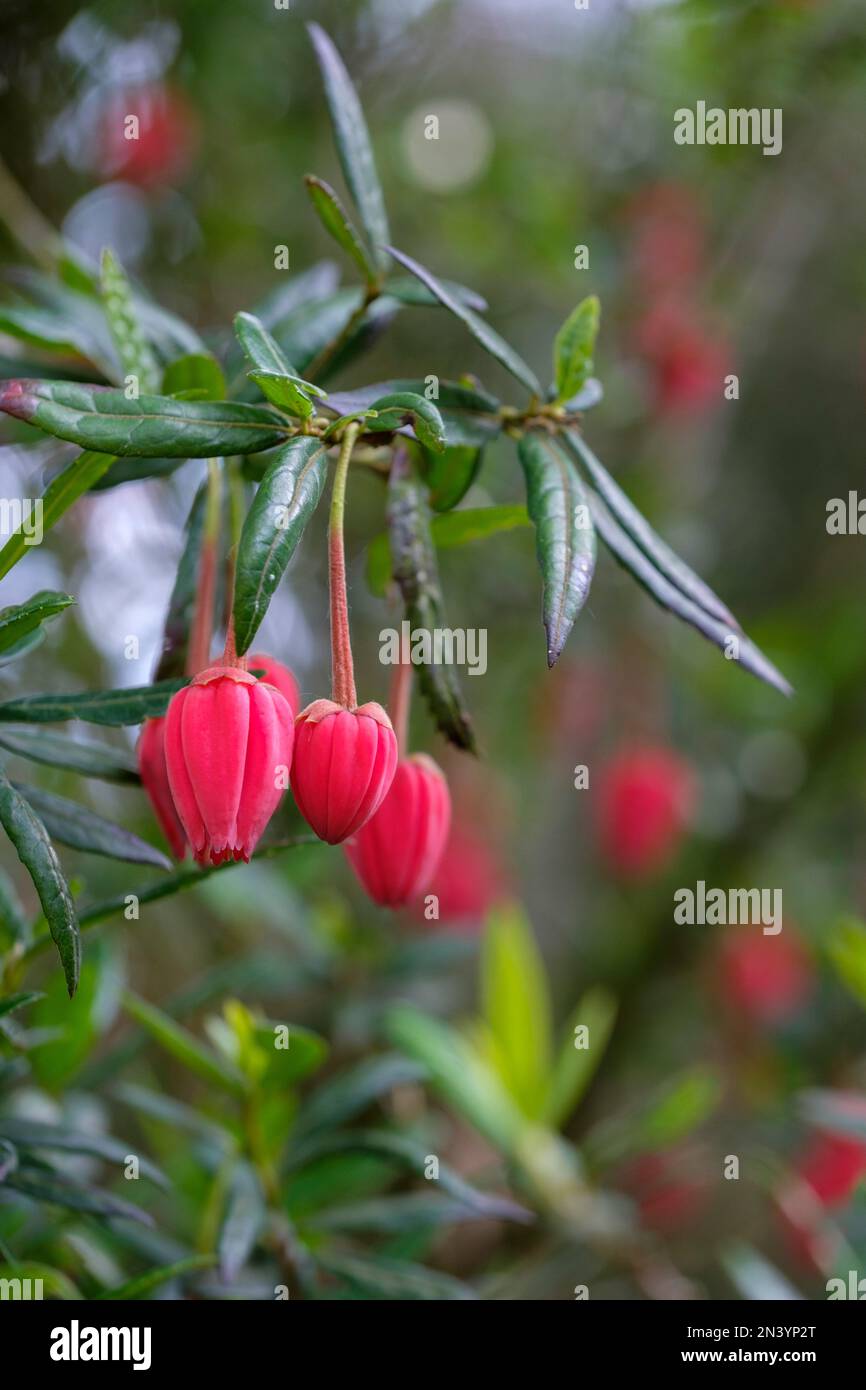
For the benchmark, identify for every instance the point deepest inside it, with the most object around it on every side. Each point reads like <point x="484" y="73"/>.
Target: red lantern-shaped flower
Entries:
<point x="274" y="673"/>
<point x="154" y="776"/>
<point x="395" y="854"/>
<point x="228" y="751"/>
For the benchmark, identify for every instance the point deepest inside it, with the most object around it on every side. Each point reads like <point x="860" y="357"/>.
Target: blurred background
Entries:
<point x="556" y="132"/>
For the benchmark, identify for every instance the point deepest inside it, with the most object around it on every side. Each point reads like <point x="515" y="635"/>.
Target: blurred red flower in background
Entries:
<point x="166" y="138"/>
<point x="767" y="978"/>
<point x="646" y="796"/>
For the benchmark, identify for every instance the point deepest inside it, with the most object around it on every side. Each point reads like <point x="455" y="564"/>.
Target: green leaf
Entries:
<point x="405" y="408"/>
<point x="144" y="1284"/>
<point x="98" y="417"/>
<point x="683" y="1105"/>
<point x="448" y="530"/>
<point x="197" y="372"/>
<point x="242" y="1222"/>
<point x="36" y="853"/>
<point x="573" y="348"/>
<point x="24" y="618"/>
<point x="728" y="639"/>
<point x="284" y="391"/>
<point x="353" y="143"/>
<point x="639" y="530"/>
<point x="108" y="707"/>
<point x="58" y="1191"/>
<point x="181" y="605"/>
<point x="79" y="828"/>
<point x="471" y="417"/>
<point x="17" y="1001"/>
<point x="134" y="470"/>
<point x="575" y="1066"/>
<point x="183" y="1045"/>
<point x="14" y="923"/>
<point x="270" y="1054"/>
<point x="517" y="1007"/>
<point x="847" y="950"/>
<point x="37" y="1134"/>
<point x="416" y="572"/>
<point x="62" y="491"/>
<point x="478" y="327"/>
<point x="338" y="224"/>
<point x="589" y="395"/>
<point x="411" y="291"/>
<point x="70" y="1028"/>
<point x="133" y="349"/>
<point x="53" y="332"/>
<point x="28" y="643"/>
<point x="286" y="499"/>
<point x="260" y="348"/>
<point x="460" y="1074"/>
<point x="342" y="1097"/>
<point x="376" y="1277"/>
<point x="449" y="474"/>
<point x="564" y="535"/>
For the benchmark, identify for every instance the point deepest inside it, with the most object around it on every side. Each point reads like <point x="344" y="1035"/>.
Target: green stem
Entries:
<point x="198" y="652"/>
<point x="399" y="700"/>
<point x="342" y="671"/>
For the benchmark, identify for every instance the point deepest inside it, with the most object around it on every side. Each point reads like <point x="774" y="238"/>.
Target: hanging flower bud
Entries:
<point x="343" y="766"/>
<point x="228" y="749"/>
<point x="280" y="676"/>
<point x="154" y="776"/>
<point x="396" y="853"/>
<point x="345" y="754"/>
<point x="645" y="801"/>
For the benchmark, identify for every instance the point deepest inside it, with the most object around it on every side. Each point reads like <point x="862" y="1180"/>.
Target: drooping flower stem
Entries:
<point x="236" y="517"/>
<point x="399" y="700"/>
<point x="201" y="628"/>
<point x="342" y="671"/>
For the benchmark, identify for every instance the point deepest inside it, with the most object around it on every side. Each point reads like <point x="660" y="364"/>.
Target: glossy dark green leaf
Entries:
<point x="21" y="619"/>
<point x="284" y="392"/>
<point x="36" y="853"/>
<point x="260" y="348"/>
<point x="181" y="605"/>
<point x="286" y="499"/>
<point x="79" y="828"/>
<point x="405" y="408"/>
<point x="729" y="639"/>
<point x="449" y="529"/>
<point x="309" y="329"/>
<point x="338" y="224"/>
<point x="75" y="479"/>
<point x="75" y="755"/>
<point x="109" y="707"/>
<point x="411" y="291"/>
<point x="51" y="331"/>
<point x="133" y="470"/>
<point x="380" y="1278"/>
<point x="626" y="514"/>
<point x="150" y="427"/>
<point x="450" y="474"/>
<point x="564" y="533"/>
<point x="132" y="347"/>
<point x="478" y="327"/>
<point x="28" y="643"/>
<point x="197" y="372"/>
<point x="573" y="348"/>
<point x="353" y="143"/>
<point x="413" y="557"/>
<point x="471" y="417"/>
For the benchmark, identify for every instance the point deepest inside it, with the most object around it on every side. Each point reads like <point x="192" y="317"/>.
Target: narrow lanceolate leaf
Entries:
<point x="405" y="408"/>
<point x="134" y="351"/>
<point x="260" y="348"/>
<point x="478" y="327"/>
<point x="17" y="1001"/>
<point x="79" y="476"/>
<point x="626" y="514"/>
<point x="414" y="561"/>
<point x="564" y="534"/>
<point x="353" y="143"/>
<point x="39" y="1134"/>
<point x="109" y="707"/>
<point x="183" y="1045"/>
<point x="447" y="530"/>
<point x="471" y="416"/>
<point x="286" y="499"/>
<point x="730" y="639"/>
<point x="145" y="1284"/>
<point x="243" y="1220"/>
<point x="80" y="828"/>
<point x="98" y="417"/>
<point x="411" y="291"/>
<point x="573" y="348"/>
<point x="450" y="473"/>
<point x="59" y="1191"/>
<point x="24" y="618"/>
<point x="36" y="853"/>
<point x="75" y="755"/>
<point x="181" y="605"/>
<point x="285" y="392"/>
<point x="382" y="1278"/>
<point x="336" y="221"/>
